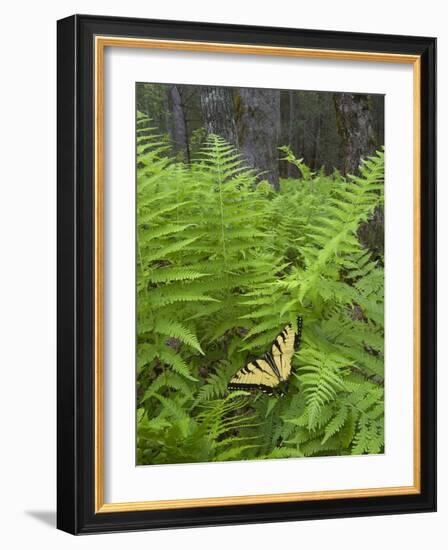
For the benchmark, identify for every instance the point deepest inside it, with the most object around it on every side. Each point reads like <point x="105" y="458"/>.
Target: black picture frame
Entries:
<point x="76" y="271"/>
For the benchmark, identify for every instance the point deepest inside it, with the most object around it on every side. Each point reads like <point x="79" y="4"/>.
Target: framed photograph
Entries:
<point x="246" y="274"/>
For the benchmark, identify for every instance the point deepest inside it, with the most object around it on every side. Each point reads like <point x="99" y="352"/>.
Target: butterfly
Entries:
<point x="270" y="373"/>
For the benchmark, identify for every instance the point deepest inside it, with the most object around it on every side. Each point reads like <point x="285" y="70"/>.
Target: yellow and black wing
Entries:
<point x="272" y="371"/>
<point x="258" y="374"/>
<point x="283" y="348"/>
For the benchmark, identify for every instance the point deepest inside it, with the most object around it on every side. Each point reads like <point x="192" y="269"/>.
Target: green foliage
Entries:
<point x="222" y="265"/>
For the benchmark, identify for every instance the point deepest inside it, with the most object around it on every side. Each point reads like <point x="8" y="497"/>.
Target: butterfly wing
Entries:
<point x="258" y="374"/>
<point x="273" y="369"/>
<point x="283" y="348"/>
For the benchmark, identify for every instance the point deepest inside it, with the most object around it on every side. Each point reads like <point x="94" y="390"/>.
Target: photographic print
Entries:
<point x="260" y="273"/>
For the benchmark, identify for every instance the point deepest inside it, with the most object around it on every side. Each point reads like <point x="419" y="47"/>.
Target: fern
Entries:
<point x="222" y="264"/>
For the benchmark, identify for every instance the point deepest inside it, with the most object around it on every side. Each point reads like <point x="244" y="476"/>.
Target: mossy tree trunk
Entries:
<point x="355" y="125"/>
<point x="218" y="112"/>
<point x="179" y="128"/>
<point x="354" y="120"/>
<point x="258" y="126"/>
<point x="289" y="121"/>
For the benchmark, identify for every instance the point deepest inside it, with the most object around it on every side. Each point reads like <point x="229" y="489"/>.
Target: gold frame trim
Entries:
<point x="101" y="42"/>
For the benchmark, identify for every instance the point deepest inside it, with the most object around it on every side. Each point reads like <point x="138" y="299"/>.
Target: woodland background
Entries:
<point x="256" y="206"/>
<point x="329" y="130"/>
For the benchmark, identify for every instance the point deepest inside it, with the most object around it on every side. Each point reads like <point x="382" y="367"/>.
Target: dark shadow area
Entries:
<point x="48" y="517"/>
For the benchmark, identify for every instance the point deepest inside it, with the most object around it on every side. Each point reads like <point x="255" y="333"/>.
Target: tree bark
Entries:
<point x="355" y="124"/>
<point x="218" y="112"/>
<point x="179" y="133"/>
<point x="317" y="141"/>
<point x="258" y="126"/>
<point x="354" y="120"/>
<point x="167" y="114"/>
<point x="293" y="132"/>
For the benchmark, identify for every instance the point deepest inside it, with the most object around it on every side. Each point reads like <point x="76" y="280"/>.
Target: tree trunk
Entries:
<point x="371" y="233"/>
<point x="218" y="112"/>
<point x="258" y="126"/>
<point x="167" y="114"/>
<point x="317" y="139"/>
<point x="354" y="119"/>
<point x="180" y="137"/>
<point x="293" y="137"/>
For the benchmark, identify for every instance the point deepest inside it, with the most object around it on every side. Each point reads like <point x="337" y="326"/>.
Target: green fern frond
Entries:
<point x="174" y="329"/>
